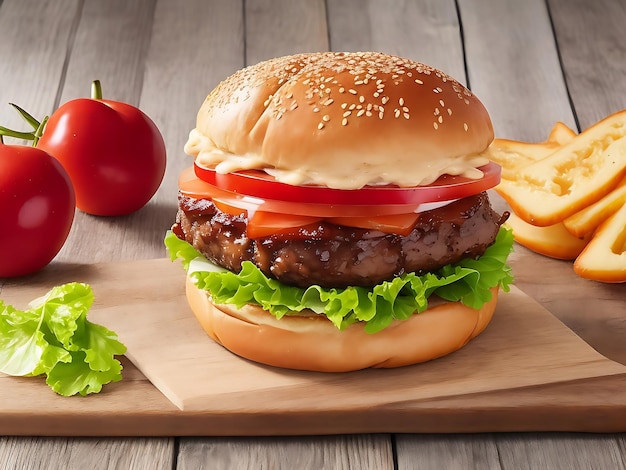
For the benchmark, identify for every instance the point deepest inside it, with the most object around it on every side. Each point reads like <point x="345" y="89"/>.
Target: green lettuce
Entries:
<point x="54" y="337"/>
<point x="469" y="281"/>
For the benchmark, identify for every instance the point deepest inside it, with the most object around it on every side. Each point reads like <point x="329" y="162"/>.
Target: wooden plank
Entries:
<point x="426" y="31"/>
<point x="276" y="28"/>
<point x="110" y="45"/>
<point x="514" y="68"/>
<point x="33" y="57"/>
<point x="83" y="453"/>
<point x="451" y="451"/>
<point x="559" y="451"/>
<point x="328" y="452"/>
<point x="592" y="43"/>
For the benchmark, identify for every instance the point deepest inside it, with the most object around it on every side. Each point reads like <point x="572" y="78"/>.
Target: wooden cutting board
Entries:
<point x="527" y="371"/>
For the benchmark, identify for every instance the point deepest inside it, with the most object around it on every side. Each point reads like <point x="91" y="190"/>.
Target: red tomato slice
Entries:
<point x="190" y="185"/>
<point x="259" y="184"/>
<point x="402" y="224"/>
<point x="264" y="224"/>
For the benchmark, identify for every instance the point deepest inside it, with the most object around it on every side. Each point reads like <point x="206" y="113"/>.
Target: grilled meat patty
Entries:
<point x="339" y="256"/>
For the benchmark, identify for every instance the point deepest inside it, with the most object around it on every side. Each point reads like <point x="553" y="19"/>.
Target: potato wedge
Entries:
<point x="587" y="220"/>
<point x="561" y="134"/>
<point x="604" y="257"/>
<point x="512" y="155"/>
<point x="576" y="175"/>
<point x="553" y="241"/>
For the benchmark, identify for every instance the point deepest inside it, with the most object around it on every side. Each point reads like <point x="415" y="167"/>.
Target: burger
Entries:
<point x="336" y="215"/>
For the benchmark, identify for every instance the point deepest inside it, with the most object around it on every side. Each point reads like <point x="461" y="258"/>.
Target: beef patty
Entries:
<point x="339" y="256"/>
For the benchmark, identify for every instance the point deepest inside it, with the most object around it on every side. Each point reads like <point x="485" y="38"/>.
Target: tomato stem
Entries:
<point x="39" y="132"/>
<point x="16" y="134"/>
<point x="34" y="123"/>
<point x="96" y="90"/>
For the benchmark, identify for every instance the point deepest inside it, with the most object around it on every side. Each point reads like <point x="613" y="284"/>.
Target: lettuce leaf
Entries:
<point x="54" y="337"/>
<point x="469" y="281"/>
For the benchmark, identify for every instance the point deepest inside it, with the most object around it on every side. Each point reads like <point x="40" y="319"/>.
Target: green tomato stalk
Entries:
<point x="39" y="126"/>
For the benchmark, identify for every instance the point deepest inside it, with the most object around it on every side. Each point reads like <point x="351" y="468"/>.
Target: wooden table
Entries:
<point x="532" y="63"/>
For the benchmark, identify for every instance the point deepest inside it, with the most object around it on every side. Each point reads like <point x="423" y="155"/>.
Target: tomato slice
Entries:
<point x="259" y="184"/>
<point x="402" y="224"/>
<point x="190" y="185"/>
<point x="264" y="224"/>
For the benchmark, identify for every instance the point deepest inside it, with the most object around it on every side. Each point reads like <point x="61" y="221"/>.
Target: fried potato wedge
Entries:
<point x="553" y="241"/>
<point x="561" y="134"/>
<point x="604" y="257"/>
<point x="574" y="176"/>
<point x="512" y="155"/>
<point x="587" y="220"/>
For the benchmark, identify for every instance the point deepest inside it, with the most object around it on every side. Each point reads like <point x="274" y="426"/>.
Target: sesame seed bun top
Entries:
<point x="343" y="120"/>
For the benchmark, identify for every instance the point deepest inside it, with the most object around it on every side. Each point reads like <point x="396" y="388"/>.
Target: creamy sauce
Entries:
<point x="412" y="172"/>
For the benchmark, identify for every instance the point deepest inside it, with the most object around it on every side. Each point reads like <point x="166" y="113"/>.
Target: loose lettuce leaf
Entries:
<point x="469" y="281"/>
<point x="54" y="337"/>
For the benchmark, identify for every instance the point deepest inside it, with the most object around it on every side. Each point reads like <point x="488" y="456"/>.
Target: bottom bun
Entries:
<point x="312" y="342"/>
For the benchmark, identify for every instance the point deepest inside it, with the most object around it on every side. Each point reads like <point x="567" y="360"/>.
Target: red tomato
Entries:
<point x="260" y="184"/>
<point x="36" y="209"/>
<point x="113" y="152"/>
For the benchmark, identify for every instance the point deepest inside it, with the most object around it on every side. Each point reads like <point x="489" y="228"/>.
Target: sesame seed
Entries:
<point x="347" y="113"/>
<point x="440" y="119"/>
<point x="289" y="95"/>
<point x="341" y="89"/>
<point x="316" y="110"/>
<point x="344" y="121"/>
<point x="449" y="112"/>
<point x="328" y="102"/>
<point x="418" y="81"/>
<point x="441" y="103"/>
<point x="351" y="90"/>
<point x="380" y="114"/>
<point x="344" y="105"/>
<point x="325" y="118"/>
<point x="406" y="115"/>
<point x="361" y="112"/>
<point x="361" y="99"/>
<point x="385" y="99"/>
<point x="368" y="113"/>
<point x="401" y="101"/>
<point x="396" y="112"/>
<point x="320" y="126"/>
<point x="376" y="94"/>
<point x="405" y="109"/>
<point x="435" y="125"/>
<point x="465" y="127"/>
<point x="352" y="106"/>
<point x="359" y="82"/>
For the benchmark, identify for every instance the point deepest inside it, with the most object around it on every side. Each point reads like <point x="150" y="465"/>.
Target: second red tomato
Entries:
<point x="113" y="152"/>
